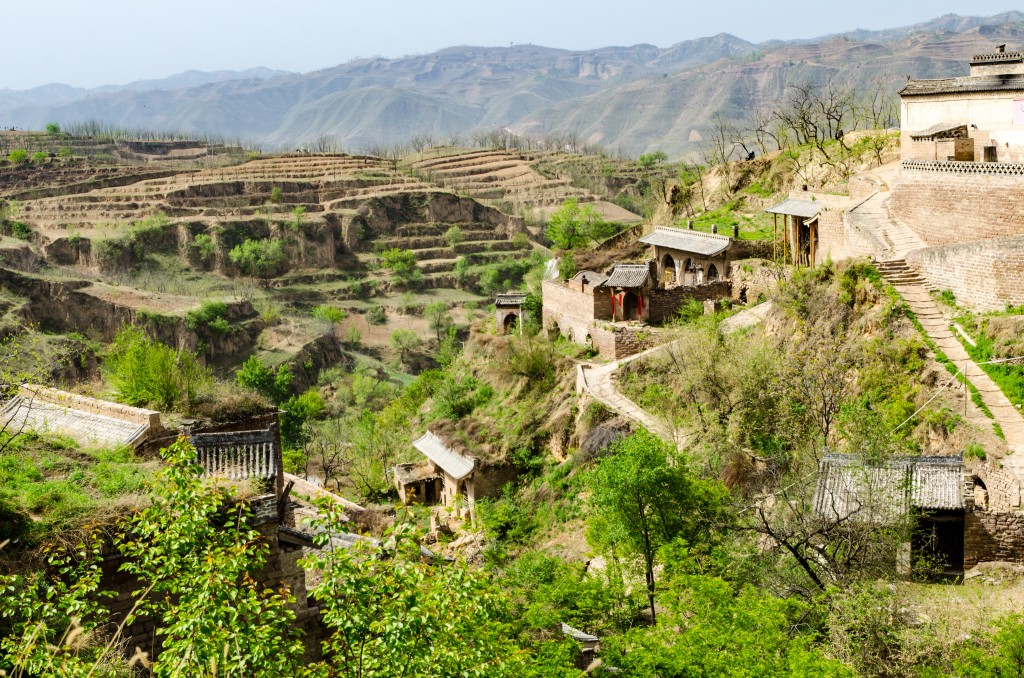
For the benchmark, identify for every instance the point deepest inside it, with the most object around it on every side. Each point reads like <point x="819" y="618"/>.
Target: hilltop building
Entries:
<point x="973" y="118"/>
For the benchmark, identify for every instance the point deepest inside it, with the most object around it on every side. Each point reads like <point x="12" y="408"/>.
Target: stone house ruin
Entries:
<point x="445" y="474"/>
<point x="508" y="313"/>
<point x="962" y="514"/>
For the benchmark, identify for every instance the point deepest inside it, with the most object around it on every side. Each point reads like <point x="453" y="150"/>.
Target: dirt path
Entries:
<point x="599" y="380"/>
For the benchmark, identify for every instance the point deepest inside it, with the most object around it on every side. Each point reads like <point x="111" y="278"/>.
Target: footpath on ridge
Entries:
<point x="599" y="380"/>
<point x="893" y="241"/>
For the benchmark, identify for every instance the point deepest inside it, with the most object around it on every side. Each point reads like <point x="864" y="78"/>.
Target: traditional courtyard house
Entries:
<point x="974" y="118"/>
<point x="688" y="257"/>
<point x="508" y="312"/>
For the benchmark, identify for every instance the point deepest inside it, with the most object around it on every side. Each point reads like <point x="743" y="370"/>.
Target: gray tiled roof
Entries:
<point x="628" y="275"/>
<point x="939" y="129"/>
<point x="1010" y="82"/>
<point x="578" y="635"/>
<point x="594" y="279"/>
<point x="85" y="428"/>
<point x="706" y="244"/>
<point x="434" y="449"/>
<point x="796" y="207"/>
<point x="510" y="299"/>
<point x="846" y="486"/>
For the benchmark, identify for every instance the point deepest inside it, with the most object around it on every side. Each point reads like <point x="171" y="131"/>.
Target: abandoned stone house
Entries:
<point x="508" y="312"/>
<point x="962" y="514"/>
<point x="613" y="312"/>
<point x="445" y="473"/>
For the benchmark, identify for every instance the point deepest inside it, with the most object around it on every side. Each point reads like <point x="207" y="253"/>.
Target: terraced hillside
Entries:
<point x="509" y="180"/>
<point x="149" y="243"/>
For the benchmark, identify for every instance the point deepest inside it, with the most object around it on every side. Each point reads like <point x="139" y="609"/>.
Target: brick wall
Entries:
<point x="946" y="207"/>
<point x="572" y="311"/>
<point x="1002" y="486"/>
<point x="991" y="535"/>
<point x="984" y="274"/>
<point x="664" y="304"/>
<point x="838" y="239"/>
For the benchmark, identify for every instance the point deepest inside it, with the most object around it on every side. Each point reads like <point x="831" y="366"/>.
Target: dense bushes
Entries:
<point x="146" y="372"/>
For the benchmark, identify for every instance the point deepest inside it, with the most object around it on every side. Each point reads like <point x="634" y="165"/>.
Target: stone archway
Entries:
<point x="509" y="323"/>
<point x="712" y="273"/>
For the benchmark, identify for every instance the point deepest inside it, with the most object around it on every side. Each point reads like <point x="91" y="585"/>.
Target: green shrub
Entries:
<point x="376" y="315"/>
<point x="211" y="314"/>
<point x="275" y="194"/>
<point x="506" y="519"/>
<point x="20" y="230"/>
<point x="455" y="398"/>
<point x="65" y="152"/>
<point x="52" y="128"/>
<point x="521" y="241"/>
<point x="327" y="313"/>
<point x="299" y="410"/>
<point x="18" y="156"/>
<point x="39" y="157"/>
<point x="258" y="258"/>
<point x="256" y="376"/>
<point x="975" y="451"/>
<point x="203" y="245"/>
<point x="146" y="372"/>
<point x="454" y="236"/>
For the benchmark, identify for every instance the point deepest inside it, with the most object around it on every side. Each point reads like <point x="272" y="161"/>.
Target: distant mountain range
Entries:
<point x="636" y="99"/>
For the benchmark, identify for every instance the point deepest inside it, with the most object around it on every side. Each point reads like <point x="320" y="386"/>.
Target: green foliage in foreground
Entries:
<point x="387" y="612"/>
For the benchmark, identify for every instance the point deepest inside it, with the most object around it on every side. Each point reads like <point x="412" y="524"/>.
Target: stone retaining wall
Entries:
<point x="105" y="408"/>
<point x="985" y="275"/>
<point x="991" y="535"/>
<point x="946" y="207"/>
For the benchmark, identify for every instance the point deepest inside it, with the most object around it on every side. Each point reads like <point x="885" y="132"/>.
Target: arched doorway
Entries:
<point x="712" y="273"/>
<point x="668" y="271"/>
<point x="630" y="306"/>
<point x="689" y="272"/>
<point x="509" y="323"/>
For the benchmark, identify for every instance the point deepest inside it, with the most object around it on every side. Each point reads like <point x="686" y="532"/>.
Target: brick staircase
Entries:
<point x="899" y="274"/>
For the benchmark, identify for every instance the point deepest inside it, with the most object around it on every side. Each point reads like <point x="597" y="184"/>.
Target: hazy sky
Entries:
<point x="93" y="42"/>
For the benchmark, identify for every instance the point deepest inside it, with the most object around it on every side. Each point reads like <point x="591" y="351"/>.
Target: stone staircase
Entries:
<point x="899" y="274"/>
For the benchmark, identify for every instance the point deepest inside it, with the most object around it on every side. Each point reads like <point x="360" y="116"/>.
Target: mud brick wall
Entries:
<point x="947" y="207"/>
<point x="990" y="535"/>
<point x="985" y="275"/>
<point x="838" y="239"/>
<point x="573" y="311"/>
<point x="488" y="480"/>
<point x="664" y="304"/>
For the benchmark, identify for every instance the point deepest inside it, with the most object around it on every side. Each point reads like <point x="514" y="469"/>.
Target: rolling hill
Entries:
<point x="634" y="98"/>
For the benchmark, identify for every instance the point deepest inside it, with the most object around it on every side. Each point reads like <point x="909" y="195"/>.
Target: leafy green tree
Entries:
<point x="275" y="194"/>
<point x="572" y="226"/>
<point x="645" y="497"/>
<point x="454" y="236"/>
<point x="329" y="314"/>
<point x="258" y="258"/>
<point x="404" y="341"/>
<point x="438" y="317"/>
<point x="566" y="265"/>
<point x="649" y="160"/>
<point x="146" y="372"/>
<point x="195" y="558"/>
<point x="256" y="376"/>
<point x="299" y="410"/>
<point x="403" y="264"/>
<point x="389" y="613"/>
<point x="52" y="128"/>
